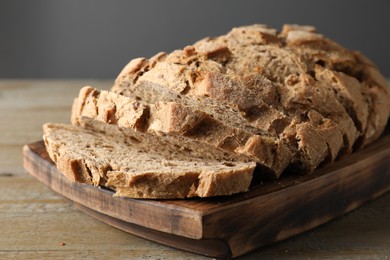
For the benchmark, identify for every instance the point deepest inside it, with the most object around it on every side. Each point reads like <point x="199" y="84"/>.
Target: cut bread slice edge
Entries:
<point x="130" y="170"/>
<point x="181" y="124"/>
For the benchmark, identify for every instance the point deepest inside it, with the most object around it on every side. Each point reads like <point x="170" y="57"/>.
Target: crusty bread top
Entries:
<point x="140" y="171"/>
<point x="318" y="98"/>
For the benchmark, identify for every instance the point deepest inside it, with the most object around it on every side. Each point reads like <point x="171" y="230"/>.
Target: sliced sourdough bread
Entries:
<point x="135" y="167"/>
<point x="197" y="121"/>
<point x="305" y="91"/>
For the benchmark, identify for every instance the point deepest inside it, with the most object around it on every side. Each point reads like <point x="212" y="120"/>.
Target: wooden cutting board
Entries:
<point x="225" y="227"/>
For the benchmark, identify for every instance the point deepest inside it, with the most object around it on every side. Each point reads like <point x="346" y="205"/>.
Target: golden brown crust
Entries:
<point x="272" y="82"/>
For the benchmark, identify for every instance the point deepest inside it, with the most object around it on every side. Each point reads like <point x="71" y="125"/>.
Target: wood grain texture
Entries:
<point x="37" y="223"/>
<point x="233" y="225"/>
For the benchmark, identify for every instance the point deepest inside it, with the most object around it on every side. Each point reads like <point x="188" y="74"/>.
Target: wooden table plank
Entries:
<point x="35" y="222"/>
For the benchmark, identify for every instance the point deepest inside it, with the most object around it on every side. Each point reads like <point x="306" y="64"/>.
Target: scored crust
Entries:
<point x="290" y="85"/>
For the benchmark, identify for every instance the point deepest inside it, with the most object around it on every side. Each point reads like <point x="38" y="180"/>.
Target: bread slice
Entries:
<point x="133" y="167"/>
<point x="178" y="122"/>
<point x="302" y="90"/>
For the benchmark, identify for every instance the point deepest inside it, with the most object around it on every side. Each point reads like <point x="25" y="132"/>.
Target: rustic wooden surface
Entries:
<point x="35" y="222"/>
<point x="231" y="226"/>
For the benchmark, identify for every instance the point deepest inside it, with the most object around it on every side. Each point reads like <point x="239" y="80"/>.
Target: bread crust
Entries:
<point x="271" y="82"/>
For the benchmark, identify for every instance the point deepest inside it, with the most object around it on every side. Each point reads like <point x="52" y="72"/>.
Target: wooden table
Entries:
<point x="35" y="222"/>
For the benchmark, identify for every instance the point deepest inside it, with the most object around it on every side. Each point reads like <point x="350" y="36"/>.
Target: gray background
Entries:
<point x="95" y="39"/>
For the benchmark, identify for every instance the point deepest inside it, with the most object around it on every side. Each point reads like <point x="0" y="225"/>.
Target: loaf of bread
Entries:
<point x="288" y="100"/>
<point x="312" y="96"/>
